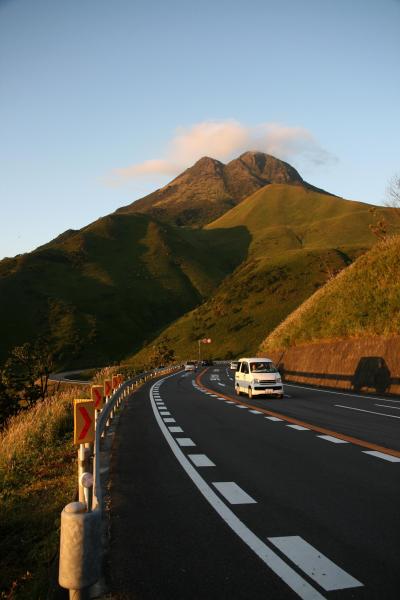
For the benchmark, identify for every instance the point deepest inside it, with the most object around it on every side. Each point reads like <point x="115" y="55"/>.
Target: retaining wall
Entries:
<point x="370" y="364"/>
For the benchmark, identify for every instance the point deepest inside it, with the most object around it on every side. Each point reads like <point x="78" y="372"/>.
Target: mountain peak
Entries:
<point x="208" y="189"/>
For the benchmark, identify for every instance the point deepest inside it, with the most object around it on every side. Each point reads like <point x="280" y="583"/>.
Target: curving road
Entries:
<point x="213" y="496"/>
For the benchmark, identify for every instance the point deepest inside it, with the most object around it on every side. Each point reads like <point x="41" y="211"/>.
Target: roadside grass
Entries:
<point x="362" y="300"/>
<point x="37" y="465"/>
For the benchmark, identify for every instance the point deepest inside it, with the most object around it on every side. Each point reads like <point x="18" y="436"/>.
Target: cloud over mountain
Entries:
<point x="224" y="140"/>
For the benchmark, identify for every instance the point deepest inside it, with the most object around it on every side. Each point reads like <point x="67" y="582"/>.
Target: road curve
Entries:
<point x="211" y="497"/>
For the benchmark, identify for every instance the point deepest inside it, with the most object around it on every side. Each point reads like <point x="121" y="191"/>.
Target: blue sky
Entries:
<point x="102" y="102"/>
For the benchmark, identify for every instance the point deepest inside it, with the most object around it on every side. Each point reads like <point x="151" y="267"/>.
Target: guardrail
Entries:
<point x="80" y="538"/>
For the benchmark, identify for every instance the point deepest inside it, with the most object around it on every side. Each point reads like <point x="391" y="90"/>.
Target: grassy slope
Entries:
<point x="362" y="300"/>
<point x="299" y="239"/>
<point x="101" y="291"/>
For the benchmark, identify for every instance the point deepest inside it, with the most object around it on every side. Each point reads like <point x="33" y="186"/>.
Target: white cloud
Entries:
<point x="225" y="140"/>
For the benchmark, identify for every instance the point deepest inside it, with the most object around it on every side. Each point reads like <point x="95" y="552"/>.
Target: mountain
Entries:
<point x="299" y="240"/>
<point x="209" y="188"/>
<point x="107" y="291"/>
<point x="98" y="293"/>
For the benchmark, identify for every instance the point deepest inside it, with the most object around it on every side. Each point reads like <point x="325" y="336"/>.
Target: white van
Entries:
<point x="258" y="376"/>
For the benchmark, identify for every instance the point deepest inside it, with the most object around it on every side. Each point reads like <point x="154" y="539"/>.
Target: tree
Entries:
<point x="162" y="353"/>
<point x="393" y="192"/>
<point x="25" y="374"/>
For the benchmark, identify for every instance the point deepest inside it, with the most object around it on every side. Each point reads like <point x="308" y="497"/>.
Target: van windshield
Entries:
<point x="263" y="367"/>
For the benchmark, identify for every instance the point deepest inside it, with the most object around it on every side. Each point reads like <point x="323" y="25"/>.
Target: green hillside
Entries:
<point x="362" y="300"/>
<point x="99" y="292"/>
<point x="299" y="239"/>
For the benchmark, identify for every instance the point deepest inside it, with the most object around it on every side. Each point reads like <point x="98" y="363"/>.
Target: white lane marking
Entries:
<point x="175" y="429"/>
<point x="169" y="420"/>
<point x="273" y="419"/>
<point x="298" y="427"/>
<point x="303" y="387"/>
<point x="388" y="406"/>
<point x="387" y="400"/>
<point x="165" y="413"/>
<point x="387" y="457"/>
<point x="185" y="442"/>
<point x="222" y="384"/>
<point x="317" y="566"/>
<point x="368" y="411"/>
<point x="256" y="412"/>
<point x="233" y="493"/>
<point x="264" y="552"/>
<point x="240" y="406"/>
<point x="334" y="440"/>
<point x="229" y="401"/>
<point x="201" y="460"/>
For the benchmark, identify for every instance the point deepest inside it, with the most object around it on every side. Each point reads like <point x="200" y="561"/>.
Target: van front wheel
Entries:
<point x="250" y="393"/>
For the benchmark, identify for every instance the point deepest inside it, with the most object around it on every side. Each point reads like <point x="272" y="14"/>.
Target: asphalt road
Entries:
<point x="213" y="496"/>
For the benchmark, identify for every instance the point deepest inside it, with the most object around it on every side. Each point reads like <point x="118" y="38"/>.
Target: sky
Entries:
<point x="103" y="102"/>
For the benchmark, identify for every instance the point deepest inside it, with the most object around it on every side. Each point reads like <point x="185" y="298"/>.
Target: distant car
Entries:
<point x="234" y="365"/>
<point x="207" y="363"/>
<point x="258" y="376"/>
<point x="190" y="365"/>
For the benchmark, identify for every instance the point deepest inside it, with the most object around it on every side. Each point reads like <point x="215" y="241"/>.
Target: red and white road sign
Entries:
<point x="107" y="387"/>
<point x="97" y="392"/>
<point x="83" y="421"/>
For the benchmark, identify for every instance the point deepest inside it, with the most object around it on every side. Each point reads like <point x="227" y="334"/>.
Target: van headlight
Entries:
<point x="257" y="381"/>
<point x="278" y="380"/>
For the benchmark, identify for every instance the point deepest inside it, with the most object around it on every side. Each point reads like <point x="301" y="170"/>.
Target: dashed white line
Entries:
<point x="334" y="440"/>
<point x="282" y="569"/>
<point x="298" y="427"/>
<point x="273" y="419"/>
<point x="317" y="566"/>
<point x="240" y="406"/>
<point x="201" y="460"/>
<point x="222" y="384"/>
<point x="382" y="455"/>
<point x="175" y="429"/>
<point x="256" y="412"/>
<point x="185" y="442"/>
<point x="233" y="493"/>
<point x="169" y="420"/>
<point x="165" y="413"/>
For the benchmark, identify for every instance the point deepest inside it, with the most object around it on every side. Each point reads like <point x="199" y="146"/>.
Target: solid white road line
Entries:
<point x="303" y="387"/>
<point x="273" y="419"/>
<point x="201" y="460"/>
<point x="175" y="429"/>
<point x="317" y="566"/>
<point x="185" y="442"/>
<point x="299" y="585"/>
<point x="233" y="493"/>
<point x="256" y="412"/>
<point x="387" y="457"/>
<point x="388" y="406"/>
<point x="298" y="427"/>
<point x="368" y="411"/>
<point x="334" y="440"/>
